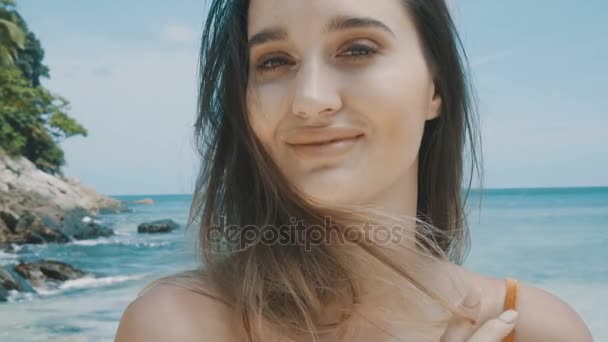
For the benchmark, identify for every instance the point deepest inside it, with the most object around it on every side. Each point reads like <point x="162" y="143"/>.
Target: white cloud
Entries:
<point x="179" y="33"/>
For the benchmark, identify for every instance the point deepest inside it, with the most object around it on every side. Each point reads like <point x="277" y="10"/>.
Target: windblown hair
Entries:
<point x="240" y="191"/>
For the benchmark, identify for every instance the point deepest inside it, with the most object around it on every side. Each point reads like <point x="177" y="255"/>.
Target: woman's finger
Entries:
<point x="459" y="329"/>
<point x="496" y="329"/>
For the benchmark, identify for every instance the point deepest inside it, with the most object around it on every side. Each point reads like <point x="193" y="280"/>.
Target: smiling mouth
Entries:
<point x="327" y="142"/>
<point x="325" y="149"/>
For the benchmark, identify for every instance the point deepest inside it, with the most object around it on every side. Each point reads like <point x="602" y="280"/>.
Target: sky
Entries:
<point x="129" y="70"/>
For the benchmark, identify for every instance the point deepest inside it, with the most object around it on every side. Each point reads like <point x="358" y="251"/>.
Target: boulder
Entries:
<point x="79" y="226"/>
<point x="159" y="226"/>
<point x="27" y="228"/>
<point x="10" y="281"/>
<point x="47" y="273"/>
<point x="9" y="218"/>
<point x="48" y="224"/>
<point x="7" y="283"/>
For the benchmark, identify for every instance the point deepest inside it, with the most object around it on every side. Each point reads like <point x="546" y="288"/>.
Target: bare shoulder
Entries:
<point x="171" y="313"/>
<point x="542" y="315"/>
<point x="545" y="317"/>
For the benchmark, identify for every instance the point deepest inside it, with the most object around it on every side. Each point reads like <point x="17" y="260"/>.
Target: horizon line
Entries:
<point x="472" y="189"/>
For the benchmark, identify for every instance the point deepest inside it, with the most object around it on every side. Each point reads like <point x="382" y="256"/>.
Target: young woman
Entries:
<point x="329" y="203"/>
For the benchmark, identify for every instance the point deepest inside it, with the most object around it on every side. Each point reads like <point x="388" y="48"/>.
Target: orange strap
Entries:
<point x="510" y="303"/>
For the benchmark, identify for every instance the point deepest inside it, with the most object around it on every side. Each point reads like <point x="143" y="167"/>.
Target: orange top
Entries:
<point x="510" y="303"/>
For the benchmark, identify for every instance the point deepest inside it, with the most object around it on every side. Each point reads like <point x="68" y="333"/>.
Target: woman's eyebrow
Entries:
<point x="342" y="22"/>
<point x="337" y="23"/>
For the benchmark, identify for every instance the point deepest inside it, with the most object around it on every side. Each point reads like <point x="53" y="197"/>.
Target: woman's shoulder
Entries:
<point x="543" y="316"/>
<point x="169" y="312"/>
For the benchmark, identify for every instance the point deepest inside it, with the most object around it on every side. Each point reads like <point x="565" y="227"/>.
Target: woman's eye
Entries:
<point x="355" y="52"/>
<point x="359" y="51"/>
<point x="271" y="63"/>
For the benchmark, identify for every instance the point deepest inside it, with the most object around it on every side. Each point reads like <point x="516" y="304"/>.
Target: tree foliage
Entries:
<point x="12" y="38"/>
<point x="33" y="121"/>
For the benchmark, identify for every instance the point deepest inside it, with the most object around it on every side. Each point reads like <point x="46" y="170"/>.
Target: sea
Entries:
<point x="552" y="238"/>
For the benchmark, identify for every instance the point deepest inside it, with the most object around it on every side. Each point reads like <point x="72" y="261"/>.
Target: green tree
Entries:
<point x="22" y="42"/>
<point x="12" y="38"/>
<point x="33" y="121"/>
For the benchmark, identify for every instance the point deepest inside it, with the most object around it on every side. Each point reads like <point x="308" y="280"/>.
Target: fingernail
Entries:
<point x="509" y="316"/>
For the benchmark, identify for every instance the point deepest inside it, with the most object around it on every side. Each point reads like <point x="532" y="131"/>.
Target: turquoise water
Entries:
<point x="552" y="238"/>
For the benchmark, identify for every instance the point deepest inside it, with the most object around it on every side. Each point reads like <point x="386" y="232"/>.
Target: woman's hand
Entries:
<point x="493" y="330"/>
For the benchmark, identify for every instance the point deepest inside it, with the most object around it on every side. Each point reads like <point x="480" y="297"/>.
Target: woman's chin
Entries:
<point x="333" y="187"/>
<point x="333" y="196"/>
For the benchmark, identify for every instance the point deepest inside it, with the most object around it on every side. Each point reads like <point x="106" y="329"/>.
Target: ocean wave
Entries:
<point x="97" y="242"/>
<point x="152" y="244"/>
<point x="16" y="296"/>
<point x="16" y="248"/>
<point x="7" y="256"/>
<point x="12" y="255"/>
<point x="105" y="241"/>
<point x="87" y="283"/>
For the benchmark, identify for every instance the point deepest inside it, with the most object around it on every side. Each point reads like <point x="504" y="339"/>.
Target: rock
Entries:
<point x="9" y="218"/>
<point x="37" y="207"/>
<point x="7" y="283"/>
<point x="34" y="231"/>
<point x="9" y="247"/>
<point x="79" y="229"/>
<point x="8" y="223"/>
<point x="27" y="228"/>
<point x="5" y="247"/>
<point x="5" y="235"/>
<point x="10" y="281"/>
<point x="49" y="225"/>
<point x="148" y="201"/>
<point x="7" y="280"/>
<point x="19" y="175"/>
<point x="47" y="273"/>
<point x="92" y="231"/>
<point x="160" y="226"/>
<point x="41" y="274"/>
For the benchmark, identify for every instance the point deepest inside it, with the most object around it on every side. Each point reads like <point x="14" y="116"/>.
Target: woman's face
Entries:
<point x="351" y="71"/>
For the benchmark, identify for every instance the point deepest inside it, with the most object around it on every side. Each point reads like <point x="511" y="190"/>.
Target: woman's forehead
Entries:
<point x="309" y="15"/>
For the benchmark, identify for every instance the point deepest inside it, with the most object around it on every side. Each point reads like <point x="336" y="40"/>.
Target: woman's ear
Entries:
<point x="435" y="104"/>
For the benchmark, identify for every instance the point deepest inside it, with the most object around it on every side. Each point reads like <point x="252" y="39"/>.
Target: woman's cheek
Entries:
<point x="262" y="114"/>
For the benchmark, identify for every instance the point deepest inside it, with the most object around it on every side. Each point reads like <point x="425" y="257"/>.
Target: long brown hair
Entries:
<point x="241" y="191"/>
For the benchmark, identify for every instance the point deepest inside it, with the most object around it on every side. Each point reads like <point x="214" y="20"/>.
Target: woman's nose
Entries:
<point x="316" y="94"/>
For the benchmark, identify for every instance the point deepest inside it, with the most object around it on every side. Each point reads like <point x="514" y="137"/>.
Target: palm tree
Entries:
<point x="12" y="38"/>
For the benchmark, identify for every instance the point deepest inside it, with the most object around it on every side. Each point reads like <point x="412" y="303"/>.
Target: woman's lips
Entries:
<point x="330" y="149"/>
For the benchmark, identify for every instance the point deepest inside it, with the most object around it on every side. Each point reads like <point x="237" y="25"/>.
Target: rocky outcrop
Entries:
<point x="45" y="273"/>
<point x="160" y="226"/>
<point x="78" y="225"/>
<point x="19" y="175"/>
<point x="27" y="228"/>
<point x="24" y="218"/>
<point x="41" y="274"/>
<point x="36" y="207"/>
<point x="9" y="282"/>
